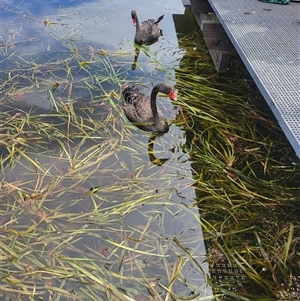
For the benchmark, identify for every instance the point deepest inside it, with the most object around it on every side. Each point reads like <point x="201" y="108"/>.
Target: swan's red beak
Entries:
<point x="172" y="95"/>
<point x="134" y="21"/>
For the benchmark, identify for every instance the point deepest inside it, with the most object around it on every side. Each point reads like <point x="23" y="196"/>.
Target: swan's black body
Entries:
<point x="147" y="33"/>
<point x="143" y="111"/>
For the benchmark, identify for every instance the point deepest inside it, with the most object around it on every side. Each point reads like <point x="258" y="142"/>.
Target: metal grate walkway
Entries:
<point x="267" y="38"/>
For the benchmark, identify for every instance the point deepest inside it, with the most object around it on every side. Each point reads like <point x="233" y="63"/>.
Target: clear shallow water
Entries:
<point x="127" y="227"/>
<point x="86" y="203"/>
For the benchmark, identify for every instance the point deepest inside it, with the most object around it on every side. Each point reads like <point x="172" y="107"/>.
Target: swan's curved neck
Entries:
<point x="137" y="26"/>
<point x="153" y="95"/>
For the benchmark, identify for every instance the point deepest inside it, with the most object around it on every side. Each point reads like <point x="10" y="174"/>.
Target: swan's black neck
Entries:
<point x="137" y="26"/>
<point x="154" y="92"/>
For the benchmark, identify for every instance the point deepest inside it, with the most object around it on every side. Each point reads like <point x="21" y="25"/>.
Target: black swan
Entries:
<point x="147" y="33"/>
<point x="143" y="111"/>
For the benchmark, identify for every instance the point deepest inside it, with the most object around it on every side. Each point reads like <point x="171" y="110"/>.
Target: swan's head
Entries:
<point x="166" y="89"/>
<point x="134" y="17"/>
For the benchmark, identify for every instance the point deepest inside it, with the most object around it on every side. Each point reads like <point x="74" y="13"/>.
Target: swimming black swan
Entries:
<point x="147" y="33"/>
<point x="143" y="111"/>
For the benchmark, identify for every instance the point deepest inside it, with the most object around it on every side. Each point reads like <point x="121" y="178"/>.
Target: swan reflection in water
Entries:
<point x="137" y="53"/>
<point x="152" y="158"/>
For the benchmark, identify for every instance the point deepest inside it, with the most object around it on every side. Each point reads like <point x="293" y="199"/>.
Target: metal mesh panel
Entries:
<point x="267" y="37"/>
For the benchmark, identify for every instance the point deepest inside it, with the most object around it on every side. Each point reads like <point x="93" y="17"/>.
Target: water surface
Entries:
<point x="94" y="208"/>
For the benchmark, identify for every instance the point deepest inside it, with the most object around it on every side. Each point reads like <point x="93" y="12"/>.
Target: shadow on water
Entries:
<point x="246" y="179"/>
<point x="92" y="208"/>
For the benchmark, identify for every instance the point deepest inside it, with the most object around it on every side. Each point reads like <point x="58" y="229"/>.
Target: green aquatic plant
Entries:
<point x="88" y="212"/>
<point x="246" y="177"/>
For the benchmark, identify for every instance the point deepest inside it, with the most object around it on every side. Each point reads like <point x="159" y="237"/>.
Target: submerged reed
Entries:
<point x="93" y="209"/>
<point x="246" y="177"/>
